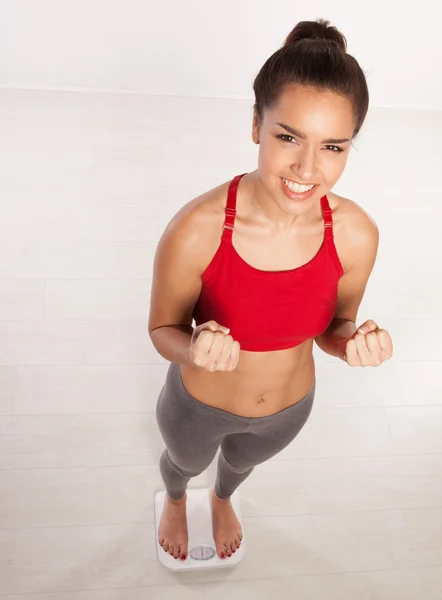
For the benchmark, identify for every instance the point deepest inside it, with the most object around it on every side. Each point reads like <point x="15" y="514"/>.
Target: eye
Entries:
<point x="337" y="148"/>
<point x="287" y="138"/>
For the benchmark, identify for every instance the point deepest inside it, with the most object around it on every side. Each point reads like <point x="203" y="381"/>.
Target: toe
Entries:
<point x="237" y="542"/>
<point x="166" y="546"/>
<point x="177" y="551"/>
<point x="171" y="549"/>
<point x="233" y="547"/>
<point x="221" y="551"/>
<point x="183" y="552"/>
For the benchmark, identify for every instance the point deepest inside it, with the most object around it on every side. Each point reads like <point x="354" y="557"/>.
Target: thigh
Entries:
<point x="265" y="437"/>
<point x="191" y="430"/>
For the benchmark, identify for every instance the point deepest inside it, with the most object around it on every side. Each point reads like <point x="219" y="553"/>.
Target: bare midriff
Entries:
<point x="262" y="384"/>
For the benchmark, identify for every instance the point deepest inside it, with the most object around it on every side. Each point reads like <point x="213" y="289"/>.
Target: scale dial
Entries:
<point x="202" y="552"/>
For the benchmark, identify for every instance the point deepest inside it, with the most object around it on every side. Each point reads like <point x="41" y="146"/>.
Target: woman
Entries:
<point x="266" y="264"/>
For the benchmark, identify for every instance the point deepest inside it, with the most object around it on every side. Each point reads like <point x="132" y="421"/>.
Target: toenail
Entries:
<point x="223" y="555"/>
<point x="183" y="557"/>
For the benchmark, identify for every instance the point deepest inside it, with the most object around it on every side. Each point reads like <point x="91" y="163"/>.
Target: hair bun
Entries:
<point x="316" y="30"/>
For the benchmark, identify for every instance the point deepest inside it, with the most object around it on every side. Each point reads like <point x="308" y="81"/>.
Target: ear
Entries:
<point x="255" y="126"/>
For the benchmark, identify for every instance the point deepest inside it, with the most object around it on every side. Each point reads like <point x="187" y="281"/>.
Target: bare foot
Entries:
<point x="172" y="532"/>
<point x="226" y="527"/>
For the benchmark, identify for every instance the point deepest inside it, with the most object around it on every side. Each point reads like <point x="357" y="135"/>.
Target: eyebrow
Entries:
<point x="304" y="137"/>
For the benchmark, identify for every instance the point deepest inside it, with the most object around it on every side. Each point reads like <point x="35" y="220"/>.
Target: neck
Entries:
<point x="264" y="204"/>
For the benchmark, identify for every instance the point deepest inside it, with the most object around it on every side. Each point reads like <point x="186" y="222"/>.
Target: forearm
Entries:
<point x="334" y="339"/>
<point x="173" y="343"/>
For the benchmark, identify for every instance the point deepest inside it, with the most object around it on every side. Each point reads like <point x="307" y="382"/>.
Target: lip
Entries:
<point x="297" y="196"/>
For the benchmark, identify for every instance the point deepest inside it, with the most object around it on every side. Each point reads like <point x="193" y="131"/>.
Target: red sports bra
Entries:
<point x="269" y="310"/>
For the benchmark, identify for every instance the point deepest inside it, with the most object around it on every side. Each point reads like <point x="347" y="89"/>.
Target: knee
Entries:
<point x="181" y="466"/>
<point x="234" y="461"/>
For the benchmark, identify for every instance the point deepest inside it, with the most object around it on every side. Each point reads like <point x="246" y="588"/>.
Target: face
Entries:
<point x="310" y="158"/>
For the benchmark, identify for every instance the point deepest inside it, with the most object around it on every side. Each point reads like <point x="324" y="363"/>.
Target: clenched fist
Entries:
<point x="213" y="349"/>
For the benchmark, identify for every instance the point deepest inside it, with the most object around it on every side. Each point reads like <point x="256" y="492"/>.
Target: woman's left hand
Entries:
<point x="369" y="346"/>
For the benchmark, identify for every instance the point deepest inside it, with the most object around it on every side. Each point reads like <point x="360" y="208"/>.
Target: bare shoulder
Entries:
<point x="198" y="224"/>
<point x="355" y="230"/>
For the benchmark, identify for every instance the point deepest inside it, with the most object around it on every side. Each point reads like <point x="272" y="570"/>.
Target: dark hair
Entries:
<point x="314" y="55"/>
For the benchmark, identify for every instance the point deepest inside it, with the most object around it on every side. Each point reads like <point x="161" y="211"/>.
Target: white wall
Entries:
<point x="208" y="48"/>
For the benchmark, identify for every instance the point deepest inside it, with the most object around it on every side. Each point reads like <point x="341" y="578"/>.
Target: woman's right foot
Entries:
<point x="172" y="532"/>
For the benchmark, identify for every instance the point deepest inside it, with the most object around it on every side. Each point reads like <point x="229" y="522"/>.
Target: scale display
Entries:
<point x="202" y="553"/>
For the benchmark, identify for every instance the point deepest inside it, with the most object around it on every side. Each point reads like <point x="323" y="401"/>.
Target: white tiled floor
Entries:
<point x="352" y="510"/>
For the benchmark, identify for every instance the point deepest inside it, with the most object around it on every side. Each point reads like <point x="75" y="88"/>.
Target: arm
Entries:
<point x="176" y="287"/>
<point x="363" y="246"/>
<point x="334" y="339"/>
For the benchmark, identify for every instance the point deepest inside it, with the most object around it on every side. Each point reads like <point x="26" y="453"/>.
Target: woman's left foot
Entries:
<point x="226" y="527"/>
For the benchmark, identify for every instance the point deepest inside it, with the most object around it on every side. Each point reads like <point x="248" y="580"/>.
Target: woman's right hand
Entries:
<point x="213" y="349"/>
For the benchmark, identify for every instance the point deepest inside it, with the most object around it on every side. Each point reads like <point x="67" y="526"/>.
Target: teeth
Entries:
<point x="295" y="187"/>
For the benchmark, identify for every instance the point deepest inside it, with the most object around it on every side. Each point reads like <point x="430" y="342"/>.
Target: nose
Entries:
<point x="305" y="165"/>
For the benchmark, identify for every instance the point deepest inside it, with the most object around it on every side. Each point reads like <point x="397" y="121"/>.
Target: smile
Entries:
<point x="298" y="187"/>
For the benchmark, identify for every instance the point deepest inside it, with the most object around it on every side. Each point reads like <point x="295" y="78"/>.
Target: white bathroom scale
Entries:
<point x="202" y="550"/>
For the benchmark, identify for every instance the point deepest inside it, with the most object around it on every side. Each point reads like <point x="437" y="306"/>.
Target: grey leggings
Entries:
<point x="193" y="432"/>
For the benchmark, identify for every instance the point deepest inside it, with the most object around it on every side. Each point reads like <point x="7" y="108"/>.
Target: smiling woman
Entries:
<point x="309" y="153"/>
<point x="266" y="263"/>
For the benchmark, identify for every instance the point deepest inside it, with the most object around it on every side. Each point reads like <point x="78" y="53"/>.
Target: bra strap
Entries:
<point x="231" y="208"/>
<point x="328" y="219"/>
